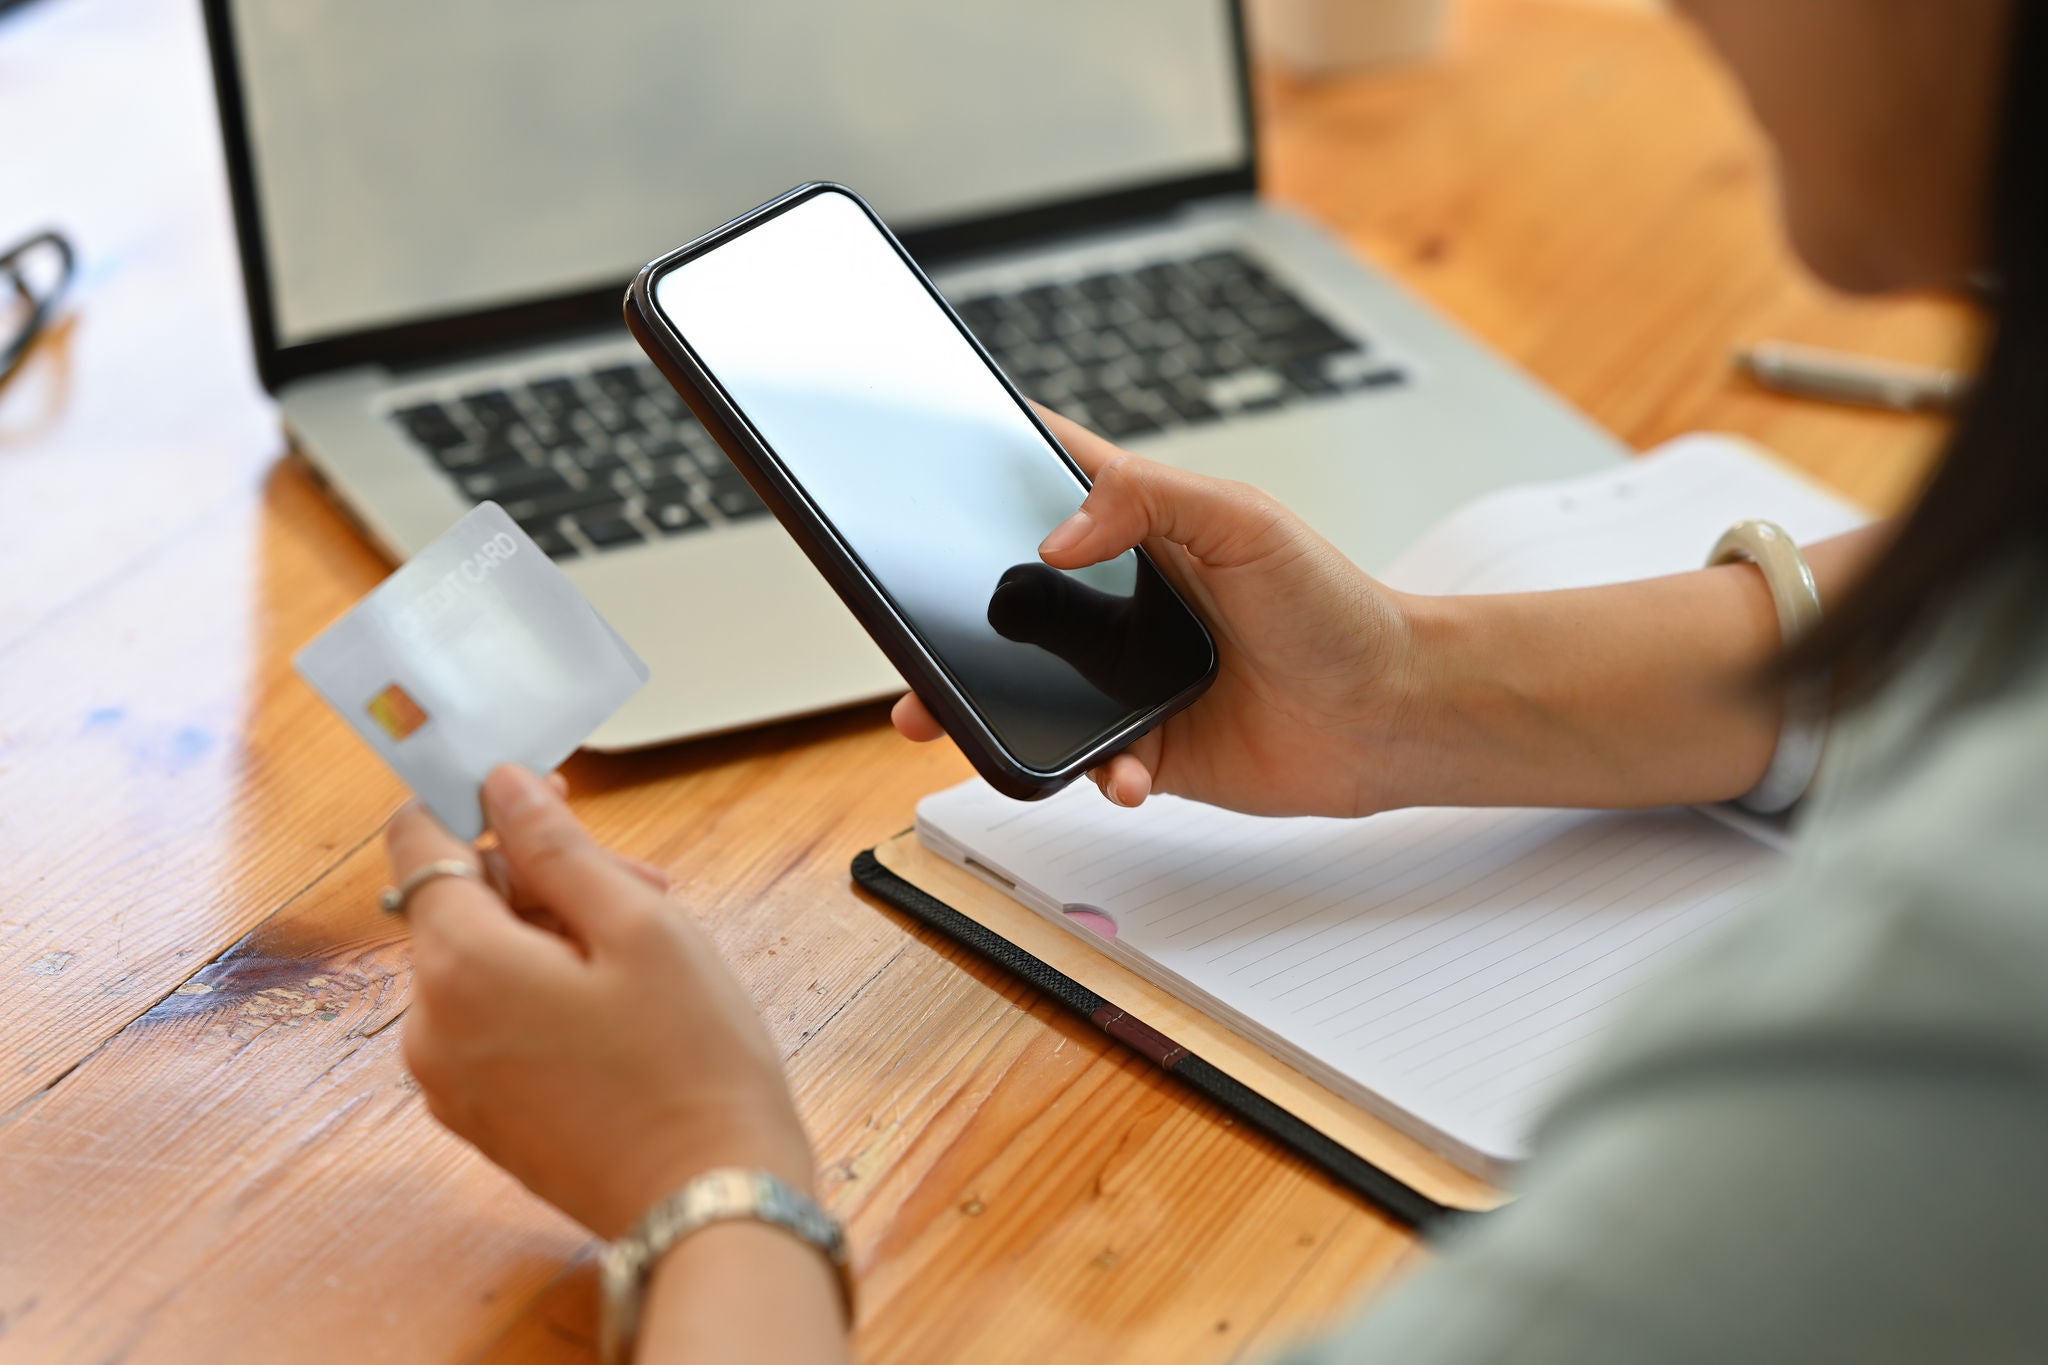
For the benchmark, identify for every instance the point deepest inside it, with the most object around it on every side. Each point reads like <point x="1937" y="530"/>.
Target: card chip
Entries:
<point x="397" y="712"/>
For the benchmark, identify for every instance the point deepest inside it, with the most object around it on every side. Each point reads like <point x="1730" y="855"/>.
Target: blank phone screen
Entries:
<point x="932" y="474"/>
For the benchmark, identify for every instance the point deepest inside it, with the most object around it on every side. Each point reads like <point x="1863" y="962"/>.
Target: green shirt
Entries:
<point x="1825" y="1135"/>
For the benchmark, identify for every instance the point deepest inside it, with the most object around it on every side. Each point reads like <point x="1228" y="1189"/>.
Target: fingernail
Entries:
<point x="1067" y="534"/>
<point x="1109" y="790"/>
<point x="511" y="790"/>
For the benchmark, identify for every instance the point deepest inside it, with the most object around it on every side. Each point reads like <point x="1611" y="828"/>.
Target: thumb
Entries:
<point x="1134" y="500"/>
<point x="554" y="858"/>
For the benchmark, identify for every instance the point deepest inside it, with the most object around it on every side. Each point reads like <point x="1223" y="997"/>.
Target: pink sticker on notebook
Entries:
<point x="1093" y="920"/>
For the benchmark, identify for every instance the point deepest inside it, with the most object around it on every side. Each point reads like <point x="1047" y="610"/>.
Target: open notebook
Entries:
<point x="1442" y="969"/>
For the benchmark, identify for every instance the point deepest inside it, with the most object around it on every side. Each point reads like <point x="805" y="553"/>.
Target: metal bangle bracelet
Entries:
<point x="395" y="898"/>
<point x="720" y="1195"/>
<point x="1803" y="733"/>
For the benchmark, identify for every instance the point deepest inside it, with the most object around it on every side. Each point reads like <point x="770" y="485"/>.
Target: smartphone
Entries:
<point x="920" y="483"/>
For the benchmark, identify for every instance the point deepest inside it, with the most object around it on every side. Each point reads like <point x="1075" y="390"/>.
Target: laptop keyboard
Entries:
<point x="1173" y="343"/>
<point x="596" y="459"/>
<point x="585" y="461"/>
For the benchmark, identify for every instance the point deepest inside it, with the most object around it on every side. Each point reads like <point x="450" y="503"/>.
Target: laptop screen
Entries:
<point x="413" y="160"/>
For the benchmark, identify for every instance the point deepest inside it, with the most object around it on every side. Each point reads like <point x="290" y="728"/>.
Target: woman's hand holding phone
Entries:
<point x="1316" y="658"/>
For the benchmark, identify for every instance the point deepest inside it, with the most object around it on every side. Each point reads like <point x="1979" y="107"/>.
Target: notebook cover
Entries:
<point x="1387" y="1167"/>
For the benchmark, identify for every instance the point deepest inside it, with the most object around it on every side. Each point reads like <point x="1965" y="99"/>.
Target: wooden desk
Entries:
<point x="208" y="1146"/>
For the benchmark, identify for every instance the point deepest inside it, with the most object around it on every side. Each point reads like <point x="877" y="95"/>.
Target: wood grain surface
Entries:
<point x="208" y="1146"/>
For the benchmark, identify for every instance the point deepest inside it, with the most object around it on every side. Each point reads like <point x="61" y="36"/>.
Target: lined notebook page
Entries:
<point x="1442" y="968"/>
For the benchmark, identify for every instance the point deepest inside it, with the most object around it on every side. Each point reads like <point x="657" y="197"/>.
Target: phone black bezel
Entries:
<point x="820" y="541"/>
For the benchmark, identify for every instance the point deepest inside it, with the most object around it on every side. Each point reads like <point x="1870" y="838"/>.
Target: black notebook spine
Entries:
<point x="1345" y="1166"/>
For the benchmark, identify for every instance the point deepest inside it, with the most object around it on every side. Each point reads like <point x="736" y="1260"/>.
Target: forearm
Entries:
<point x="743" y="1293"/>
<point x="1638" y="694"/>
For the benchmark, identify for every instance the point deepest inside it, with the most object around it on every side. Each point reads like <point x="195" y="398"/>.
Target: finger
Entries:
<point x="414" y="838"/>
<point x="914" y="721"/>
<point x="559" y="783"/>
<point x="498" y="872"/>
<point x="656" y="877"/>
<point x="1090" y="451"/>
<point x="1126" y="778"/>
<point x="554" y="858"/>
<point x="1135" y="500"/>
<point x="1127" y="781"/>
<point x="465" y="909"/>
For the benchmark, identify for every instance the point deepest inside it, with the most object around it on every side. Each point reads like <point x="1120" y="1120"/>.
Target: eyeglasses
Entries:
<point x="38" y="270"/>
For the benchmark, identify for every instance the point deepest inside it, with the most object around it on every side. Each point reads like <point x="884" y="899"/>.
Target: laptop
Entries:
<point x="439" y="204"/>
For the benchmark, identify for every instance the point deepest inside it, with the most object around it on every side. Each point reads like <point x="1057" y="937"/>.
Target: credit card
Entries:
<point x="478" y="651"/>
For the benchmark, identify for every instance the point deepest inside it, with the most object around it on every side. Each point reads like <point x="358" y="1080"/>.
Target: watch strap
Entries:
<point x="723" y="1195"/>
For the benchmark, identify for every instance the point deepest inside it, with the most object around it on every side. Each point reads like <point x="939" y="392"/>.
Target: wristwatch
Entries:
<point x="714" y="1197"/>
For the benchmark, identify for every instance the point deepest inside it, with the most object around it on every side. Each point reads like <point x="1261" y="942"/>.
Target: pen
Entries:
<point x="1810" y="372"/>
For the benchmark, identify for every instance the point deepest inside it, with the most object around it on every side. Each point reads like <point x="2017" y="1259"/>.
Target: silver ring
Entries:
<point x="394" y="898"/>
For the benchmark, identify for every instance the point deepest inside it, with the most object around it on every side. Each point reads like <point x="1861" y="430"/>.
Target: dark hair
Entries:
<point x="1987" y="502"/>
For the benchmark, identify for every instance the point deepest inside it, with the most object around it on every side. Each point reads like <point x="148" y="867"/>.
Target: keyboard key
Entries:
<point x="667" y="488"/>
<point x="431" y="426"/>
<point x="1159" y="278"/>
<point x="980" y="312"/>
<point x="455" y="459"/>
<point x="499" y="447"/>
<point x="738" y="504"/>
<point x="491" y="409"/>
<point x="1224" y="358"/>
<point x="553" y="543"/>
<point x="1121" y="424"/>
<point x="556" y="397"/>
<point x="547" y="431"/>
<point x="546" y="508"/>
<point x="674" y="514"/>
<point x="1246" y="388"/>
<point x="1357" y="370"/>
<point x="596" y="461"/>
<point x="615" y="421"/>
<point x="623" y="384"/>
<point x="1043" y="299"/>
<point x="1312" y="338"/>
<point x="1189" y="408"/>
<point x="606" y="529"/>
<point x="670" y="405"/>
<point x="732" y="495"/>
<point x="1102" y="287"/>
<point x="663" y="447"/>
<point x="511" y="480"/>
<point x="1307" y="378"/>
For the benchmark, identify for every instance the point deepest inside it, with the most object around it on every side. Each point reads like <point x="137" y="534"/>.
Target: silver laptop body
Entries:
<point x="438" y="206"/>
